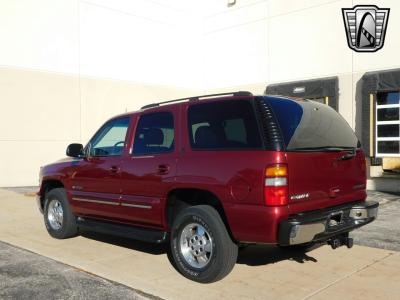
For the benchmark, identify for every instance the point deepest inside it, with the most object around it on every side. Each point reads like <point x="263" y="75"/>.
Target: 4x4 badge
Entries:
<point x="365" y="27"/>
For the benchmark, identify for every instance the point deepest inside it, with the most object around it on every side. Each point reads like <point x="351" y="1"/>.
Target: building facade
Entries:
<point x="66" y="66"/>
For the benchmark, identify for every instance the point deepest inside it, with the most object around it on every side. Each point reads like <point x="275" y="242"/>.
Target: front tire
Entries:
<point x="58" y="218"/>
<point x="201" y="247"/>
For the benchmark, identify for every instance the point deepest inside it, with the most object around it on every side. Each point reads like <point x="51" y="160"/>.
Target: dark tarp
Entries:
<point x="388" y="80"/>
<point x="315" y="88"/>
<point x="371" y="83"/>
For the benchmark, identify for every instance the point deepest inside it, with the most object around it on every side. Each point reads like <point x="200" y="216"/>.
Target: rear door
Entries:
<point x="148" y="172"/>
<point x="326" y="165"/>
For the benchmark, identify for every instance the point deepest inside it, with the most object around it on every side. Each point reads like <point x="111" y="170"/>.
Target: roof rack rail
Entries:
<point x="240" y="93"/>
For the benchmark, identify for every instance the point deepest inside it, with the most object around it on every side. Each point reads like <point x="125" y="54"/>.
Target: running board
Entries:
<point x="136" y="233"/>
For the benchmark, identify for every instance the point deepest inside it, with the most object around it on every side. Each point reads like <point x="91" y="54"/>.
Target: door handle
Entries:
<point x="114" y="169"/>
<point x="163" y="169"/>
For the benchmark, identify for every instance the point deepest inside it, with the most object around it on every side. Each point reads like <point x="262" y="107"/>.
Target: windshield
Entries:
<point x="309" y="125"/>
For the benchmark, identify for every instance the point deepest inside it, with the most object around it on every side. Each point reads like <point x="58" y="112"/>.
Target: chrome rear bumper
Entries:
<point x="323" y="224"/>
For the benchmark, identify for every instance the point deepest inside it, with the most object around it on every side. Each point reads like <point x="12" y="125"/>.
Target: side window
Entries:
<point x="154" y="134"/>
<point x="223" y="125"/>
<point x="110" y="140"/>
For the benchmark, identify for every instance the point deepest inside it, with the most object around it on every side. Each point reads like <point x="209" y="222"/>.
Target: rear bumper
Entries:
<point x="323" y="224"/>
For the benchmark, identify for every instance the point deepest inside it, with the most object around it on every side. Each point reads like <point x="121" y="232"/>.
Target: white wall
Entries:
<point x="235" y="43"/>
<point x="130" y="40"/>
<point x="40" y="34"/>
<point x="139" y="41"/>
<point x="277" y="41"/>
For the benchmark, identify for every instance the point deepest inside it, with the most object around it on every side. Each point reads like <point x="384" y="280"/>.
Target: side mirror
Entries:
<point x="75" y="150"/>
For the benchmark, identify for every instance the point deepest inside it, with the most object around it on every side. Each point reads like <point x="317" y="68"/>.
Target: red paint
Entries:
<point x="235" y="177"/>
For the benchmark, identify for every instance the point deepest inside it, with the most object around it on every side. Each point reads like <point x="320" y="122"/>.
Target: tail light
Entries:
<point x="276" y="185"/>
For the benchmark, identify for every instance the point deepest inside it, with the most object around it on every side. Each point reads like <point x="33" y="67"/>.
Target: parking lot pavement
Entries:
<point x="25" y="275"/>
<point x="261" y="272"/>
<point x="384" y="232"/>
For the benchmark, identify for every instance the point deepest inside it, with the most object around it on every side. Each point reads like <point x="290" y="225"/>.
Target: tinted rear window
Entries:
<point x="154" y="134"/>
<point x="223" y="125"/>
<point x="309" y="124"/>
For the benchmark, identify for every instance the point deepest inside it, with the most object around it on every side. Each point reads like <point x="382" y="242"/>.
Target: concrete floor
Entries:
<point x="261" y="272"/>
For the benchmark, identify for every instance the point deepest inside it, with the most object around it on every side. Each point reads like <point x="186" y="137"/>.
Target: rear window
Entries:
<point x="308" y="124"/>
<point x="154" y="134"/>
<point x="223" y="125"/>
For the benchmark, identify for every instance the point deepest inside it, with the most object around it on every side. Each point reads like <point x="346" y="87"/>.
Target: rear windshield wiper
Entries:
<point x="352" y="152"/>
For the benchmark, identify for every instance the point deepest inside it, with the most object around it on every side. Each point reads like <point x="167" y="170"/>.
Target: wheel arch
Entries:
<point x="46" y="186"/>
<point x="180" y="198"/>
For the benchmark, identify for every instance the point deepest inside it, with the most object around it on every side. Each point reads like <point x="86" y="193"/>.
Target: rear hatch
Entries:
<point x="326" y="165"/>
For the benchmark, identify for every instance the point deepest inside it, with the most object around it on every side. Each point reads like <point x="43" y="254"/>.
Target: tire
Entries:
<point x="218" y="256"/>
<point x="58" y="218"/>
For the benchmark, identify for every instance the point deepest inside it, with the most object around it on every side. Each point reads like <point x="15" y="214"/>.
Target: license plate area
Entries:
<point x="335" y="219"/>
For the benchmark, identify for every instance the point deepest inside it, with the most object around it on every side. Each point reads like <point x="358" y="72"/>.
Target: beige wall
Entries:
<point x="42" y="112"/>
<point x="67" y="66"/>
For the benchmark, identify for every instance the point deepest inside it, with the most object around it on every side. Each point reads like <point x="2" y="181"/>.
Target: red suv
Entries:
<point x="211" y="173"/>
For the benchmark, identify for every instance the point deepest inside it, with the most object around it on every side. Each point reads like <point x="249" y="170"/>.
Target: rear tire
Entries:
<point x="201" y="247"/>
<point x="58" y="218"/>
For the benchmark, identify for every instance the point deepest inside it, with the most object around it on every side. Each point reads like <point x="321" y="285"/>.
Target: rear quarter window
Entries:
<point x="224" y="125"/>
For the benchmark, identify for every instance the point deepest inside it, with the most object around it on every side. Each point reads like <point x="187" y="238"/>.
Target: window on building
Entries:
<point x="387" y="133"/>
<point x="154" y="134"/>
